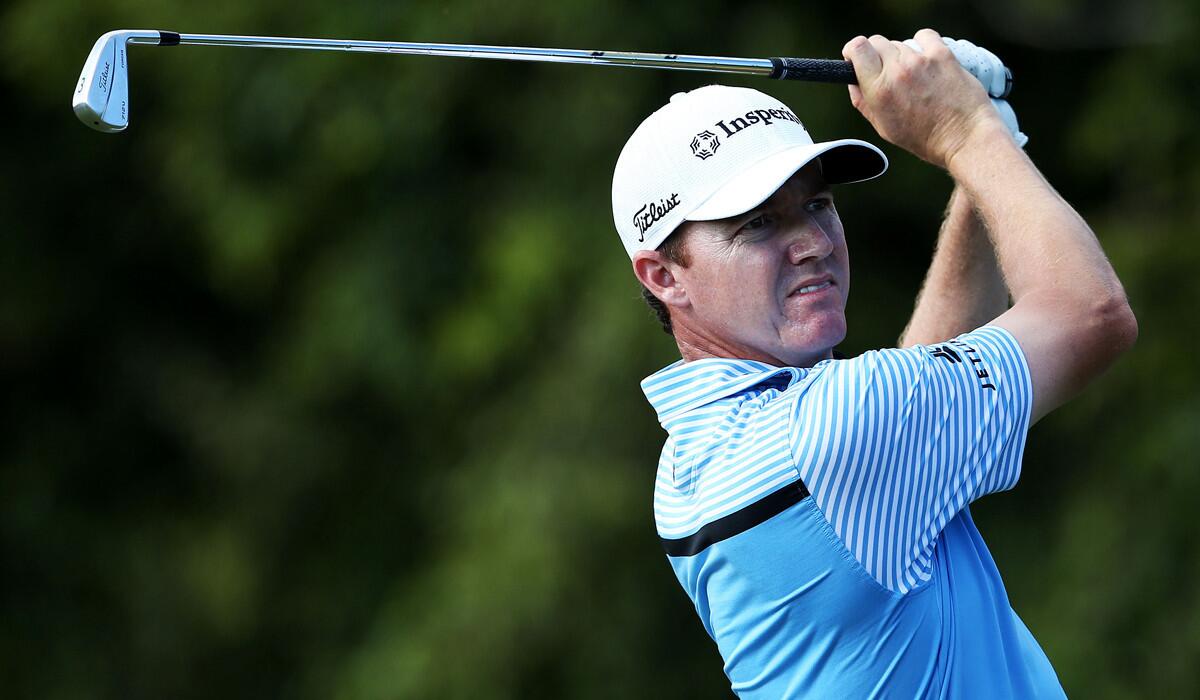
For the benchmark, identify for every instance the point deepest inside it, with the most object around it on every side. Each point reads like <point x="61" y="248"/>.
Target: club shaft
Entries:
<point x="715" y="64"/>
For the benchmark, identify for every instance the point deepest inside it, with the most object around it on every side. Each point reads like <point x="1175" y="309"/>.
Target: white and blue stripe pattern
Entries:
<point x="891" y="444"/>
<point x="727" y="444"/>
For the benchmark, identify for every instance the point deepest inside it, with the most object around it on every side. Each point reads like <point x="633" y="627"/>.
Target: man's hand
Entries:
<point x="924" y="102"/>
<point x="989" y="70"/>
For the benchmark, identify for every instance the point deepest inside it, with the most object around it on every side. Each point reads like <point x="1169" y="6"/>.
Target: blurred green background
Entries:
<point x="322" y="380"/>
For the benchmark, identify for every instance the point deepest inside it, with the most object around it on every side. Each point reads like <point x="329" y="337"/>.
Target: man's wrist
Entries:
<point x="987" y="140"/>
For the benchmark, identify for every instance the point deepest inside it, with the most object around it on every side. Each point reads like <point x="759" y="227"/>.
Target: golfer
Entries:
<point x="815" y="509"/>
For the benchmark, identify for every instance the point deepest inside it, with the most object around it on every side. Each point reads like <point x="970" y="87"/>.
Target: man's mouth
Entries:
<point x="812" y="287"/>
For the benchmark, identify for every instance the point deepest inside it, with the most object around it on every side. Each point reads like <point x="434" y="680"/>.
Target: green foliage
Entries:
<point x="321" y="381"/>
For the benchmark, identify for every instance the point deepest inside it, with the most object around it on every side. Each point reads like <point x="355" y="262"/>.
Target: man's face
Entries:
<point x="770" y="284"/>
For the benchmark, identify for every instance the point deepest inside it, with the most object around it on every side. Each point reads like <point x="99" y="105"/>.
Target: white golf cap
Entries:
<point x="716" y="152"/>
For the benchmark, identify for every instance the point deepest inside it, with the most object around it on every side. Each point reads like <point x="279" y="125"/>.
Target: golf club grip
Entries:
<point x="817" y="70"/>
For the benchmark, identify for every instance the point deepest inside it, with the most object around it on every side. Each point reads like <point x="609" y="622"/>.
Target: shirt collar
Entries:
<point x="685" y="386"/>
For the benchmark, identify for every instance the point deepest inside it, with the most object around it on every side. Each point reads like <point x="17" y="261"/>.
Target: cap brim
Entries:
<point x="842" y="162"/>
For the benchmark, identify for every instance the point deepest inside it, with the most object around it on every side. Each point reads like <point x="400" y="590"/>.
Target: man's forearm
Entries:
<point x="964" y="288"/>
<point x="1044" y="247"/>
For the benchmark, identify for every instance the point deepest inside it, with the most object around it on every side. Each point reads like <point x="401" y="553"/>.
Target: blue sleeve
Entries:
<point x="894" y="443"/>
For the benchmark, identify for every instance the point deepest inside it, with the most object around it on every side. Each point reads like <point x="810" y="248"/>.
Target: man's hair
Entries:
<point x="672" y="249"/>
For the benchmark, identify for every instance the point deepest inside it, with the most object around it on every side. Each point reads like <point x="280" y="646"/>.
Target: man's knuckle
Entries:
<point x="941" y="52"/>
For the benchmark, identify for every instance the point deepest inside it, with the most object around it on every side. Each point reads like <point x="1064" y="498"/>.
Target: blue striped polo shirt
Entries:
<point x="818" y="519"/>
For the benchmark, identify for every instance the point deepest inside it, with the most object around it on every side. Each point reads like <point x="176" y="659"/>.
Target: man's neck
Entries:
<point x="693" y="348"/>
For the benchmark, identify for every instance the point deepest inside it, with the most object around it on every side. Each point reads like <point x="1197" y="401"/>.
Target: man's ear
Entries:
<point x="657" y="274"/>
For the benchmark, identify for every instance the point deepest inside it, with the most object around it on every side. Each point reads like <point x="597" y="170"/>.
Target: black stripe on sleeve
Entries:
<point x="737" y="522"/>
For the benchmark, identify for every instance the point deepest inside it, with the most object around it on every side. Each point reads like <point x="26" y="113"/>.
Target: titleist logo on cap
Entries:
<point x="651" y="212"/>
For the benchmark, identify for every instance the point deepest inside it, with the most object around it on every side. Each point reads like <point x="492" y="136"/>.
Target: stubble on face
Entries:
<point x="770" y="284"/>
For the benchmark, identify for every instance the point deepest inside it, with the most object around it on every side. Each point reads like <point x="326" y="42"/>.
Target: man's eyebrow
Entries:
<point x="750" y="213"/>
<point x="817" y="187"/>
<point x="821" y="188"/>
<point x="805" y="195"/>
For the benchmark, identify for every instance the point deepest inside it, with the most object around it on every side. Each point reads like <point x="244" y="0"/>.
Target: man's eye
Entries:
<point x="755" y="223"/>
<point x="818" y="204"/>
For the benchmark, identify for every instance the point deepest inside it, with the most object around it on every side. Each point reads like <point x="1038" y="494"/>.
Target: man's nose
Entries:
<point x="810" y="242"/>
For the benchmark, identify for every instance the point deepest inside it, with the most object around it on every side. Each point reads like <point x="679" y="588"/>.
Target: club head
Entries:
<point x="101" y="98"/>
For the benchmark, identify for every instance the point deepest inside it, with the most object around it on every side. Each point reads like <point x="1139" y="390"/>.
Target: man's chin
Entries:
<point x="816" y="343"/>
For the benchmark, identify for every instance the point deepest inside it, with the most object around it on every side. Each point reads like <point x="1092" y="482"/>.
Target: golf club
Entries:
<point x="101" y="99"/>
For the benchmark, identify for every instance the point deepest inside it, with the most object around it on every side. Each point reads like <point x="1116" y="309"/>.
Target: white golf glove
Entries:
<point x="989" y="70"/>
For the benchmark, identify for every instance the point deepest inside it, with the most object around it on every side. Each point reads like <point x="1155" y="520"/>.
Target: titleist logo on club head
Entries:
<point x="103" y="82"/>
<point x="651" y="212"/>
<point x="705" y="144"/>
